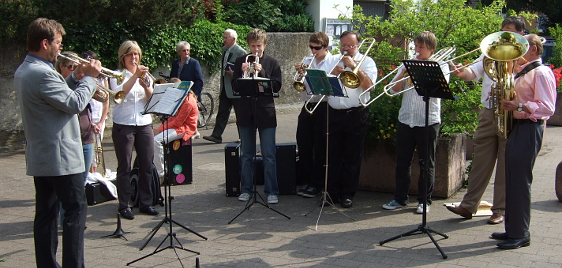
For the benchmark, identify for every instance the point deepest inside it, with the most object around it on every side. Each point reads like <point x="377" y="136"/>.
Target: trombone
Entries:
<point x="350" y="79"/>
<point x="299" y="76"/>
<point x="119" y="76"/>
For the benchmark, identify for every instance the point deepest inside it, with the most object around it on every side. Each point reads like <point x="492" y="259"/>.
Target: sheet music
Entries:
<point x="167" y="98"/>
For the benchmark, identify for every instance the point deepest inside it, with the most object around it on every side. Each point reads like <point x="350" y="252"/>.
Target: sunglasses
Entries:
<point x="71" y="67"/>
<point x="316" y="48"/>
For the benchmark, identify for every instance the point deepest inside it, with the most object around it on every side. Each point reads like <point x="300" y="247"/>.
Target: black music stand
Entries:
<point x="321" y="84"/>
<point x="429" y="82"/>
<point x="254" y="88"/>
<point x="171" y="105"/>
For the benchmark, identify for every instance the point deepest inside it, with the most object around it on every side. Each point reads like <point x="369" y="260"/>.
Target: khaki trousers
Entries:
<point x="488" y="147"/>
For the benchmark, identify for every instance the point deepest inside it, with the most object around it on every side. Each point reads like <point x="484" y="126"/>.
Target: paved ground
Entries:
<point x="262" y="238"/>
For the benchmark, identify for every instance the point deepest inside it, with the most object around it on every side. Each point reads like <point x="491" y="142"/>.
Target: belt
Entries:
<point x="527" y="121"/>
<point x="350" y="110"/>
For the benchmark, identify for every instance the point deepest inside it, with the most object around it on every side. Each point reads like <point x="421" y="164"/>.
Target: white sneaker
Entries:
<point x="419" y="210"/>
<point x="244" y="197"/>
<point x="272" y="199"/>
<point x="197" y="135"/>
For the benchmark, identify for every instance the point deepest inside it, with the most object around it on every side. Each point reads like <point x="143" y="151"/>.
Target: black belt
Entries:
<point x="350" y="110"/>
<point x="527" y="121"/>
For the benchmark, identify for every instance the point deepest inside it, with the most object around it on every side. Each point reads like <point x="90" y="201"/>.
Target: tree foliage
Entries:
<point x="455" y="25"/>
<point x="551" y="8"/>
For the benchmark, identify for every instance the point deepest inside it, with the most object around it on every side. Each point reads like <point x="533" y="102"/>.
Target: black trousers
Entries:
<point x="311" y="141"/>
<point x="523" y="145"/>
<point x="347" y="131"/>
<point x="408" y="139"/>
<point x="50" y="194"/>
<point x="225" y="105"/>
<point x="142" y="138"/>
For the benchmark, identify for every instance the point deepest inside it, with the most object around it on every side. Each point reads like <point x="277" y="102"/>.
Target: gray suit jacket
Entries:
<point x="49" y="108"/>
<point x="226" y="85"/>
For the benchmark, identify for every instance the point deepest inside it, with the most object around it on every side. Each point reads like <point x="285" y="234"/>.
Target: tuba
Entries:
<point x="501" y="50"/>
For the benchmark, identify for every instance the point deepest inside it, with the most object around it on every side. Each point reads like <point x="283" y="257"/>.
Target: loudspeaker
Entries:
<point x="97" y="193"/>
<point x="287" y="168"/>
<point x="180" y="162"/>
<point x="232" y="168"/>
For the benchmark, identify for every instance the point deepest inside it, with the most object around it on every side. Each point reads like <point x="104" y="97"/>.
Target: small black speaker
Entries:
<point x="287" y="168"/>
<point x="180" y="161"/>
<point x="232" y="168"/>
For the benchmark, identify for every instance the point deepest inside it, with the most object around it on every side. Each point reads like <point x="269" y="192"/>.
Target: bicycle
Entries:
<point x="206" y="105"/>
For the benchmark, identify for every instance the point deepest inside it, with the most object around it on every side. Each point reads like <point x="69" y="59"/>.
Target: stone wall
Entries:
<point x="287" y="48"/>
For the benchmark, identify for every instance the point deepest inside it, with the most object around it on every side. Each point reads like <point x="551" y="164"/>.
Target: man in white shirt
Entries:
<point x="348" y="123"/>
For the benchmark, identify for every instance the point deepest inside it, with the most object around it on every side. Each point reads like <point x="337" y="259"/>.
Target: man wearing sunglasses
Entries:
<point x="311" y="128"/>
<point x="348" y="122"/>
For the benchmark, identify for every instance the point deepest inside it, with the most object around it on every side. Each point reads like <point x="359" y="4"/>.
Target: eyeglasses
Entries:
<point x="316" y="48"/>
<point x="71" y="67"/>
<point x="348" y="47"/>
<point x="58" y="43"/>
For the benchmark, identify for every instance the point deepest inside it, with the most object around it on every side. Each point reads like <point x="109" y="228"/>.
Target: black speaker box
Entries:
<point x="180" y="162"/>
<point x="232" y="168"/>
<point x="287" y="168"/>
<point x="97" y="193"/>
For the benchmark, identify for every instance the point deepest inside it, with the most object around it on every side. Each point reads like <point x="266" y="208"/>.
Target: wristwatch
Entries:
<point x="520" y="107"/>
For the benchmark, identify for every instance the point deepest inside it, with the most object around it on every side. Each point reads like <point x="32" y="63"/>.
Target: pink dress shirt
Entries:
<point x="536" y="90"/>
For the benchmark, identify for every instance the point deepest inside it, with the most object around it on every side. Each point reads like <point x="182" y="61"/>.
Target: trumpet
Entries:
<point x="251" y="66"/>
<point x="299" y="76"/>
<point x="102" y="94"/>
<point x="146" y="77"/>
<point x="98" y="153"/>
<point x="119" y="76"/>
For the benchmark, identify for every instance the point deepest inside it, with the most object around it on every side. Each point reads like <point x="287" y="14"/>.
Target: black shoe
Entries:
<point x="499" y="236"/>
<point x="127" y="214"/>
<point x="311" y="192"/>
<point x="149" y="210"/>
<point x="302" y="189"/>
<point x="515" y="243"/>
<point x="346" y="203"/>
<point x="213" y="139"/>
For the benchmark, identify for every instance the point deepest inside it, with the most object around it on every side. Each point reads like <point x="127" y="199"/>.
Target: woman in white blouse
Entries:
<point x="132" y="128"/>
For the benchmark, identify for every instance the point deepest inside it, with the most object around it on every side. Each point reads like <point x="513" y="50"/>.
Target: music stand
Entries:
<point x="254" y="88"/>
<point x="165" y="102"/>
<point x="321" y="84"/>
<point x="429" y="82"/>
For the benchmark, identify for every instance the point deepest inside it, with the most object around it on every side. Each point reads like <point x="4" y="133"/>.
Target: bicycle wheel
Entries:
<point x="206" y="107"/>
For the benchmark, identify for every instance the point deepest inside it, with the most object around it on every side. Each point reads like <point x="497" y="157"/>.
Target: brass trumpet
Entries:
<point x="251" y="67"/>
<point x="147" y="76"/>
<point x="98" y="154"/>
<point x="299" y="76"/>
<point x="119" y="76"/>
<point x="102" y="94"/>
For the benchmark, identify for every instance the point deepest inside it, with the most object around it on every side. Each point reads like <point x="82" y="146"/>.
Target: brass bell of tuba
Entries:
<point x="501" y="50"/>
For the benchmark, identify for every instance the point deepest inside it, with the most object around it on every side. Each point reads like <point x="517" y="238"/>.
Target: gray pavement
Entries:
<point x="262" y="238"/>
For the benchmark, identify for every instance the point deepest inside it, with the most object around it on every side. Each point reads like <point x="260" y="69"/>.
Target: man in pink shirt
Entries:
<point x="535" y="90"/>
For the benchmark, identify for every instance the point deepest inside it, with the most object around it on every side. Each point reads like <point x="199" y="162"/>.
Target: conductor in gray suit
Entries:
<point x="230" y="52"/>
<point x="49" y="107"/>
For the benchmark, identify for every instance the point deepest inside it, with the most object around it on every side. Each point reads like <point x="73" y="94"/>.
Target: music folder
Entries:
<point x="255" y="87"/>
<point x="321" y="84"/>
<point x="167" y="98"/>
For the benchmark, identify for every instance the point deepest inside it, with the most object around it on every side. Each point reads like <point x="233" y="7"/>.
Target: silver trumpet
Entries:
<point x="301" y="73"/>
<point x="251" y="72"/>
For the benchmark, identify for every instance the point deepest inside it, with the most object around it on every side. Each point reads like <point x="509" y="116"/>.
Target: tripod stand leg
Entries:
<point x="153" y="232"/>
<point x="428" y="232"/>
<point x="193" y="232"/>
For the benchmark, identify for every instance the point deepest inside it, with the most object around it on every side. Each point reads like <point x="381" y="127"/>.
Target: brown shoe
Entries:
<point x="495" y="219"/>
<point x="460" y="210"/>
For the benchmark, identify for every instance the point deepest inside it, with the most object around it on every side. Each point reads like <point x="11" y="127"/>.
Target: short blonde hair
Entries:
<point x="126" y="48"/>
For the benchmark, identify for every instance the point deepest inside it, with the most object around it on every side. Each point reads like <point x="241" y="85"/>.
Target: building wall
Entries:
<point x="321" y="9"/>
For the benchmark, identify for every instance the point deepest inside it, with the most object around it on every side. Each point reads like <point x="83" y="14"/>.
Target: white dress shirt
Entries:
<point x="352" y="100"/>
<point x="129" y="112"/>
